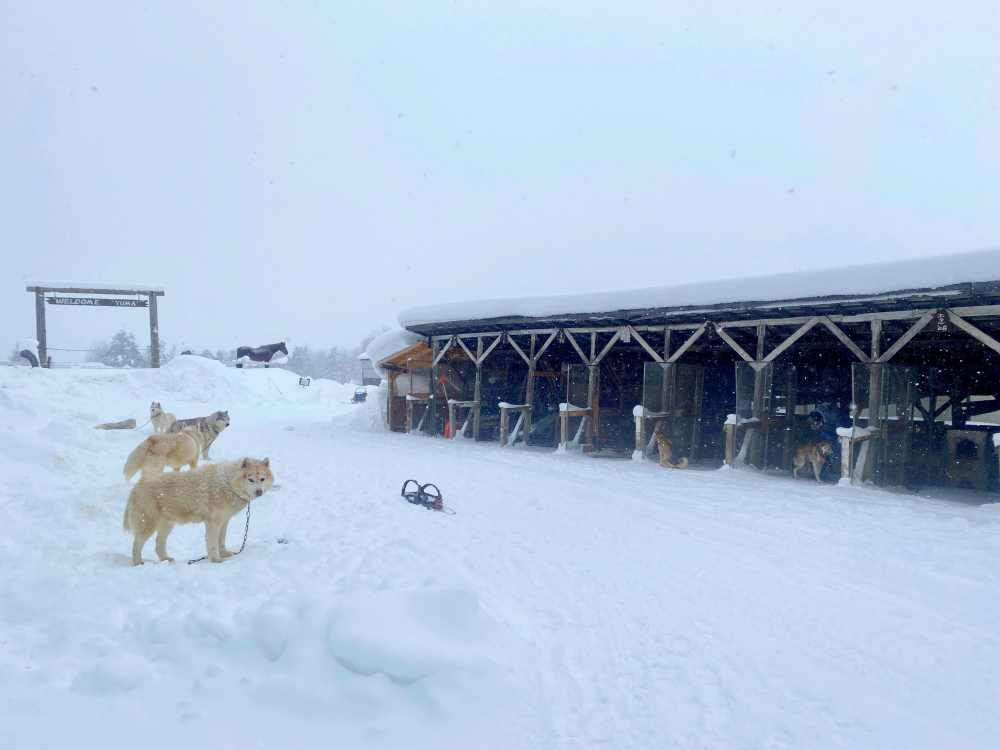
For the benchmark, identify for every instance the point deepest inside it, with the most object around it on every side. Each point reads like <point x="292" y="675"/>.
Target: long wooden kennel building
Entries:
<point x="901" y="359"/>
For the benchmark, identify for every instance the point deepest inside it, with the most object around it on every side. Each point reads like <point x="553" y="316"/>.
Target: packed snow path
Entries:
<point x="570" y="602"/>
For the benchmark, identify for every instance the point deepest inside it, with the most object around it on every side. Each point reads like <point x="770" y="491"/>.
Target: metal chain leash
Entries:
<point x="246" y="531"/>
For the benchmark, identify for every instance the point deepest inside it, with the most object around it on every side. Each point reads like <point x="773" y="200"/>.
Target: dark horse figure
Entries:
<point x="260" y="354"/>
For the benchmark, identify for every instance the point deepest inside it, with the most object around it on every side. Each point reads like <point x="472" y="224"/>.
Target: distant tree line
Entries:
<point x="123" y="351"/>
<point x="337" y="363"/>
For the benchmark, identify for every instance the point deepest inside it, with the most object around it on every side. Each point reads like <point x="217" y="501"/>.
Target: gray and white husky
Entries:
<point x="209" y="428"/>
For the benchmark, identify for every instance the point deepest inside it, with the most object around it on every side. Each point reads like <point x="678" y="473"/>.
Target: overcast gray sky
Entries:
<point x="306" y="169"/>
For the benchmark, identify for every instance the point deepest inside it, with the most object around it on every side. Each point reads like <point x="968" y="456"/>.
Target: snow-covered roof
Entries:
<point x="94" y="286"/>
<point x="389" y="343"/>
<point x="850" y="282"/>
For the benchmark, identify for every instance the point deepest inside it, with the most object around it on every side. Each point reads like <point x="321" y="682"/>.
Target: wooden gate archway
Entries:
<point x="97" y="296"/>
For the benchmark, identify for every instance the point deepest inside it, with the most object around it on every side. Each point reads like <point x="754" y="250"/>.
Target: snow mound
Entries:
<point x="411" y="636"/>
<point x="379" y="653"/>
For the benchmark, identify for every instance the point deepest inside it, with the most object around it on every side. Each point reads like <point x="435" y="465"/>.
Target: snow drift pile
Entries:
<point x="318" y="640"/>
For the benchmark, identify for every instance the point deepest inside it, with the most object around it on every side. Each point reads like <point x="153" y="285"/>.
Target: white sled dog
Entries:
<point x="162" y="420"/>
<point x="210" y="495"/>
<point x="155" y="453"/>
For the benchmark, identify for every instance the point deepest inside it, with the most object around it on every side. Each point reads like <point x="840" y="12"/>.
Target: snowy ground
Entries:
<point x="570" y="603"/>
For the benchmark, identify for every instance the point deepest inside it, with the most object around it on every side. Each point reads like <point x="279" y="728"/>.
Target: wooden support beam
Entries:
<point x="977" y="333"/>
<point x="607" y="347"/>
<point x="43" y="348"/>
<point x="844" y="339"/>
<point x="491" y="347"/>
<point x="519" y="350"/>
<point x="689" y="343"/>
<point x="875" y="395"/>
<point x="451" y="419"/>
<point x="790" y="341"/>
<point x="154" y="332"/>
<point x="757" y="448"/>
<point x="389" y="394"/>
<point x="594" y="401"/>
<point x="798" y="320"/>
<point x="439" y="353"/>
<point x="846" y="458"/>
<point x="477" y="414"/>
<point x="538" y="355"/>
<point x="466" y="349"/>
<point x="529" y="387"/>
<point x="970" y="311"/>
<point x="572" y="341"/>
<point x="977" y="311"/>
<point x="430" y="412"/>
<point x="645" y="345"/>
<point x="905" y="339"/>
<point x="733" y="344"/>
<point x="146" y="291"/>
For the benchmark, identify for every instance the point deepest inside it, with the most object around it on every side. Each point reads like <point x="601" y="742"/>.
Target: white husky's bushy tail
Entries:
<point x="136" y="459"/>
<point x="126" y="519"/>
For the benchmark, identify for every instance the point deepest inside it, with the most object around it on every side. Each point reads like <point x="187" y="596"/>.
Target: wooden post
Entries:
<point x="529" y="388"/>
<point x="594" y="393"/>
<point x="666" y="371"/>
<point x="729" y="431"/>
<point x="390" y="392"/>
<point x="876" y="325"/>
<point x="593" y="399"/>
<point x="154" y="333"/>
<point x="875" y="378"/>
<point x="640" y="432"/>
<point x="791" y="388"/>
<point x="430" y="420"/>
<point x="479" y="386"/>
<point x="699" y="394"/>
<point x="846" y="459"/>
<point x="756" y="451"/>
<point x="907" y="426"/>
<point x="43" y="349"/>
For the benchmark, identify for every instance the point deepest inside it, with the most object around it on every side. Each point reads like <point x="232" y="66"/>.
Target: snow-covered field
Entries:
<point x="570" y="603"/>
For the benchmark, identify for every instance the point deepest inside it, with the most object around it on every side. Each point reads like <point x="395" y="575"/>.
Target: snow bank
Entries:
<point x="334" y="638"/>
<point x="584" y="607"/>
<point x="872" y="279"/>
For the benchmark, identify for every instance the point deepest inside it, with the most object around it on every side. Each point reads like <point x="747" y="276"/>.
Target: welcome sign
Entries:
<point x="96" y="302"/>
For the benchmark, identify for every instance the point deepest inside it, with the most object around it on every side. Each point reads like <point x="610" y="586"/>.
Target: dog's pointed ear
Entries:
<point x="246" y="462"/>
<point x="266" y="462"/>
